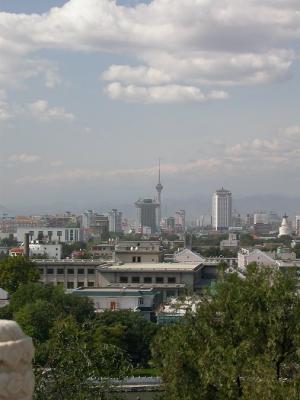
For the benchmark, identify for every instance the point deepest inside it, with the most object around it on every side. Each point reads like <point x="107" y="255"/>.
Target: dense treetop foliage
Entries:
<point x="15" y="271"/>
<point x="243" y="342"/>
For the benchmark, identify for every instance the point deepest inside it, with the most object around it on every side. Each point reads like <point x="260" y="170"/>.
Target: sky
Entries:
<point x="93" y="92"/>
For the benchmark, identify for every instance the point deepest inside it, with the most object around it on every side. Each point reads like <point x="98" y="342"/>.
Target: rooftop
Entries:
<point x="174" y="267"/>
<point x="115" y="291"/>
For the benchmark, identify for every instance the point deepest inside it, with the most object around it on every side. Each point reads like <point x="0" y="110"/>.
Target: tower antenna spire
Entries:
<point x="159" y="170"/>
<point x="159" y="188"/>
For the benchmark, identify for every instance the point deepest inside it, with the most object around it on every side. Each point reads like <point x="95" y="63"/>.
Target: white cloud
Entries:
<point x="24" y="158"/>
<point x="43" y="112"/>
<point x="56" y="163"/>
<point x="160" y="94"/>
<point x="254" y="157"/>
<point x="184" y="43"/>
<point x="6" y="112"/>
<point x="136" y="75"/>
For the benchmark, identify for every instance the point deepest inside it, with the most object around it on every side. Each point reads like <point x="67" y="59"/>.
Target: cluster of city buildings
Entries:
<point x="143" y="274"/>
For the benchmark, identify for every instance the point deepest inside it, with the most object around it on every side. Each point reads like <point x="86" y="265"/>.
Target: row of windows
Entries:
<point x="147" y="279"/>
<point x="70" y="285"/>
<point x="70" y="271"/>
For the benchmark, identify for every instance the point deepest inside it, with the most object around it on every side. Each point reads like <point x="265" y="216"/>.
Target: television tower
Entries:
<point x="159" y="187"/>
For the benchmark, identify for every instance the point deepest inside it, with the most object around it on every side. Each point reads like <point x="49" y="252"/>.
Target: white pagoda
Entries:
<point x="284" y="229"/>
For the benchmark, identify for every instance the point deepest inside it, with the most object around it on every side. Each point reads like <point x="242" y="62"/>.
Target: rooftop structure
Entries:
<point x="138" y="252"/>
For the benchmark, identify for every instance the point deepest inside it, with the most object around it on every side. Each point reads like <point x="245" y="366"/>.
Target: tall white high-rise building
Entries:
<point x="221" y="209"/>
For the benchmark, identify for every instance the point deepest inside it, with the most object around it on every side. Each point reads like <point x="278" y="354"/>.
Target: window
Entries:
<point x="50" y="271"/>
<point x="80" y="271"/>
<point x="70" y="285"/>
<point x="113" y="305"/>
<point x="41" y="270"/>
<point x="135" y="279"/>
<point x="60" y="271"/>
<point x="80" y="284"/>
<point x="139" y="259"/>
<point x="91" y="271"/>
<point x="60" y="284"/>
<point x="159" y="279"/>
<point x="141" y="301"/>
<point x="91" y="284"/>
<point x="123" y="279"/>
<point x="147" y="279"/>
<point x="133" y="259"/>
<point x="171" y="279"/>
<point x="71" y="271"/>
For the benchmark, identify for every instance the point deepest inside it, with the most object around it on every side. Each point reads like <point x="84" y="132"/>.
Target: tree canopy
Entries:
<point x="129" y="331"/>
<point x="242" y="342"/>
<point x="15" y="271"/>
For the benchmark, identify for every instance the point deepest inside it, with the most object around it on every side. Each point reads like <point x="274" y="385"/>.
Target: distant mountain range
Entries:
<point x="195" y="206"/>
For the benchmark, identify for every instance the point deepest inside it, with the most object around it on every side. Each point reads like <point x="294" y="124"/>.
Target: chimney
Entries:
<point x="26" y="245"/>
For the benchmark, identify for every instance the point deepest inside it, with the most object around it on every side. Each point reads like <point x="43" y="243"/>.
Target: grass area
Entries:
<point x="145" y="372"/>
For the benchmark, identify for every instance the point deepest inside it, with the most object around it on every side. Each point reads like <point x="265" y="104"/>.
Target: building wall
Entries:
<point x="69" y="275"/>
<point x="137" y="257"/>
<point x="49" y="250"/>
<point x="55" y="234"/>
<point x="157" y="277"/>
<point x="246" y="258"/>
<point x="221" y="209"/>
<point x="298" y="225"/>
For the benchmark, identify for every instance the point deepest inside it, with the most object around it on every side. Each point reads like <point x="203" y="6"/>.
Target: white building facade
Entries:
<point x="51" y="234"/>
<point x="221" y="209"/>
<point x="52" y="251"/>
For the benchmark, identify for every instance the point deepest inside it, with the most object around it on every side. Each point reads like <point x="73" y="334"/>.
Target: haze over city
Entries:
<point x="93" y="92"/>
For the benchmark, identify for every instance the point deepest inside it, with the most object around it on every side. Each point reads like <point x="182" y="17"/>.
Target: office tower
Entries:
<point x="221" y="209"/>
<point x="159" y="188"/>
<point x="147" y="213"/>
<point x="180" y="220"/>
<point x="298" y="225"/>
<point x="261" y="217"/>
<point x="115" y="221"/>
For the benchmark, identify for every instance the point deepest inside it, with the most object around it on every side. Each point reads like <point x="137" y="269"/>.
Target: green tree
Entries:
<point x="15" y="271"/>
<point x="76" y="369"/>
<point x="129" y="331"/>
<point x="242" y="342"/>
<point x="36" y="319"/>
<point x="36" y="307"/>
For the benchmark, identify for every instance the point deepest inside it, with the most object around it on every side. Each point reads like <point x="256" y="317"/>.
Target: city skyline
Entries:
<point x="92" y="91"/>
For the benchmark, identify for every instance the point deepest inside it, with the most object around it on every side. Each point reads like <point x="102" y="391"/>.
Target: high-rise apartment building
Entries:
<point x="298" y="225"/>
<point x="115" y="221"/>
<point x="147" y="213"/>
<point x="180" y="220"/>
<point x="221" y="209"/>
